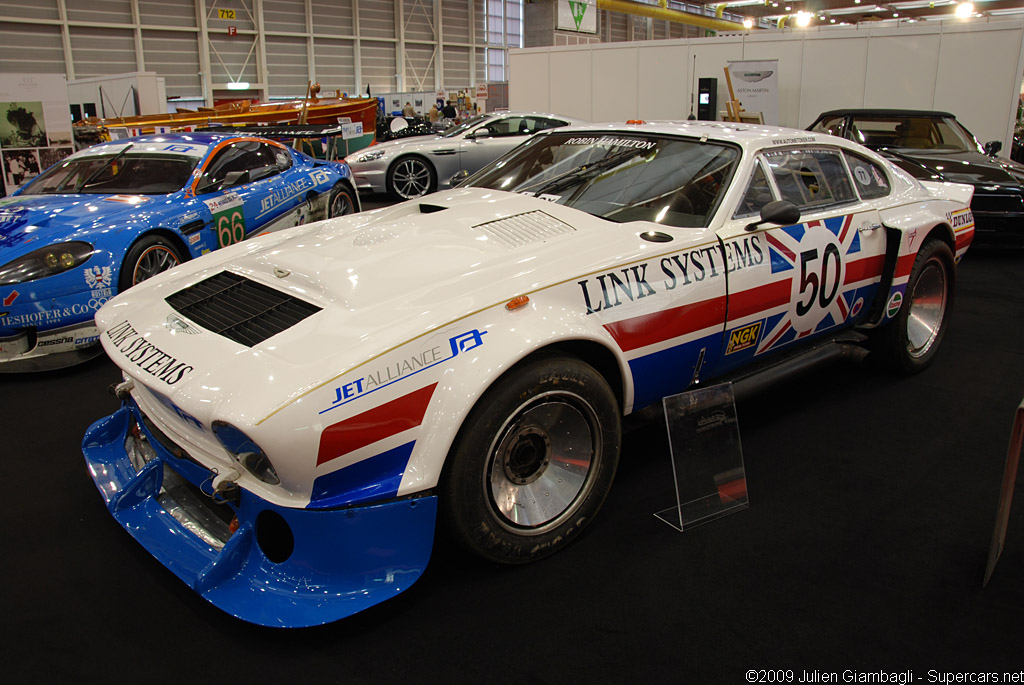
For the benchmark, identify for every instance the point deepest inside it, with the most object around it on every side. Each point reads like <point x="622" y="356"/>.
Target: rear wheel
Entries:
<point x="411" y="177"/>
<point x="534" y="461"/>
<point x="150" y="255"/>
<point x="341" y="202"/>
<point x="912" y="338"/>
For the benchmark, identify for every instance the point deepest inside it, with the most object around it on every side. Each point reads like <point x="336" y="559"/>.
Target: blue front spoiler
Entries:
<point x="341" y="561"/>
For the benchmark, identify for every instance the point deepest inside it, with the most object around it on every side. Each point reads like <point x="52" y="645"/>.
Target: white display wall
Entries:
<point x="972" y="69"/>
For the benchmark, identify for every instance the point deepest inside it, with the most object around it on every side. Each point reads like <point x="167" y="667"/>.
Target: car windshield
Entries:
<point x="135" y="174"/>
<point x="628" y="177"/>
<point x="912" y="132"/>
<point x="464" y="126"/>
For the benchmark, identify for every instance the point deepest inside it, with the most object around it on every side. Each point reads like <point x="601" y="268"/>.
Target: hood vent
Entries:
<point x="240" y="309"/>
<point x="524" y="229"/>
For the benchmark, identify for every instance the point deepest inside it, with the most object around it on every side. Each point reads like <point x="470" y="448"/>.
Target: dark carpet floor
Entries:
<point x="872" y="501"/>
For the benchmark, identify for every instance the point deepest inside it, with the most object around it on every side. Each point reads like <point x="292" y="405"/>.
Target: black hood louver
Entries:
<point x="240" y="309"/>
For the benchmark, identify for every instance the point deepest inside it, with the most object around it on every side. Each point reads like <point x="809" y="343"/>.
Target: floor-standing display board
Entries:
<point x="35" y="126"/>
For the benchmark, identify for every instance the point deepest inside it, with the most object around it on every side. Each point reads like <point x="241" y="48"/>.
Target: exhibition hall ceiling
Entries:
<point x="860" y="11"/>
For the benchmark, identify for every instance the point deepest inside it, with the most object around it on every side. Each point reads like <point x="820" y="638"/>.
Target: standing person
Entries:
<point x="449" y="111"/>
<point x="408" y="110"/>
<point x="433" y="114"/>
<point x="17" y="169"/>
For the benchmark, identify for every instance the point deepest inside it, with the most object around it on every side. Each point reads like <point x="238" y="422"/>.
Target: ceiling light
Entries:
<point x="238" y="85"/>
<point x="748" y="23"/>
<point x="964" y="10"/>
<point x="802" y="18"/>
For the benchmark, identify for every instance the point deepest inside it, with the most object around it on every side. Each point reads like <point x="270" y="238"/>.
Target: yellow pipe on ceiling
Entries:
<point x="658" y="12"/>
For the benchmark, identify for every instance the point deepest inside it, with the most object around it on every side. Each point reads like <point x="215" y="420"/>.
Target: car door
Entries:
<point x="787" y="284"/>
<point x="494" y="138"/>
<point x="243" y="190"/>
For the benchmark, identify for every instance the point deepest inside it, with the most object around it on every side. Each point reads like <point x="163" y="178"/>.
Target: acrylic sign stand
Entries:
<point x="707" y="458"/>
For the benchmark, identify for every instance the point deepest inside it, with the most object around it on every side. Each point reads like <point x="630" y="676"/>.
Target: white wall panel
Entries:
<point x="975" y="72"/>
<point x="102" y="51"/>
<point x="31" y="49"/>
<point x="571" y="86"/>
<point x="288" y="66"/>
<point x="244" y="19"/>
<point x="968" y="72"/>
<point x="529" y="81"/>
<point x="456" y="67"/>
<point x="419" y="20"/>
<point x="106" y="11"/>
<point x="455" y="20"/>
<point x="37" y="9"/>
<point x="419" y="67"/>
<point x="335" y="65"/>
<point x="663" y="82"/>
<point x="333" y="17"/>
<point x="167" y="12"/>
<point x="232" y="58"/>
<point x="377" y="18"/>
<point x="790" y="56"/>
<point x="616" y="65"/>
<point x="379" y="68"/>
<point x="174" y="55"/>
<point x="833" y="76"/>
<point x="284" y="15"/>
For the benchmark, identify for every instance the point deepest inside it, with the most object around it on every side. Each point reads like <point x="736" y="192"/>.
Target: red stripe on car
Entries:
<point x="641" y="331"/>
<point x="756" y="300"/>
<point x="374" y="424"/>
<point x="863" y="269"/>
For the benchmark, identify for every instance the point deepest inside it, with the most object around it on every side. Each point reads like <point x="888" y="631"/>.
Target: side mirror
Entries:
<point x="992" y="147"/>
<point x="479" y="133"/>
<point x="459" y="178"/>
<point x="782" y="212"/>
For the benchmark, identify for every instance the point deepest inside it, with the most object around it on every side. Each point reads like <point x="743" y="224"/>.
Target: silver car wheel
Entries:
<point x="927" y="308"/>
<point x="540" y="464"/>
<point x="411" y="178"/>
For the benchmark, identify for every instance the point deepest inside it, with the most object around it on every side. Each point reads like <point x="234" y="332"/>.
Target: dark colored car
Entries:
<point x="934" y="146"/>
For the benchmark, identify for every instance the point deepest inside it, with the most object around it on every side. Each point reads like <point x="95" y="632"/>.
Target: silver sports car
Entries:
<point x="414" y="167"/>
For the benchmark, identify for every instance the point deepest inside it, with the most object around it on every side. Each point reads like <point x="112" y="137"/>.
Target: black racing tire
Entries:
<point x="411" y="177"/>
<point x="909" y="342"/>
<point x="151" y="254"/>
<point x="341" y="202"/>
<point x="533" y="462"/>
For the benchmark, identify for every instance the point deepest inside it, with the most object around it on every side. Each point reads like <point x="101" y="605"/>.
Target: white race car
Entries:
<point x="298" y="408"/>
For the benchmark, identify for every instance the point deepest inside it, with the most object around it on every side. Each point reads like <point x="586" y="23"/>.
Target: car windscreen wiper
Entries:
<point x="81" y="186"/>
<point x="571" y="176"/>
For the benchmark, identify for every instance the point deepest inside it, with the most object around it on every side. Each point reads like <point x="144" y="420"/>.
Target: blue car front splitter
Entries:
<point x="280" y="566"/>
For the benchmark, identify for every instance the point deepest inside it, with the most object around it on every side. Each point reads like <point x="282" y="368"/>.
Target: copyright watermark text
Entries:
<point x="776" y="675"/>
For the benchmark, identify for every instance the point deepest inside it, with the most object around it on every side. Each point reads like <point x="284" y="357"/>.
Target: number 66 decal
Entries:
<point x="230" y="227"/>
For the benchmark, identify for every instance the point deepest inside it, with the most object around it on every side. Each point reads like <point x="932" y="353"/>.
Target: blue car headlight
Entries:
<point x="246" y="452"/>
<point x="46" y="261"/>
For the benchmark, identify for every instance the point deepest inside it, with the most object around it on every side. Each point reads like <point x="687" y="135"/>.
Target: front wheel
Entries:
<point x="533" y="462"/>
<point x="411" y="177"/>
<point x="912" y="338"/>
<point x="150" y="255"/>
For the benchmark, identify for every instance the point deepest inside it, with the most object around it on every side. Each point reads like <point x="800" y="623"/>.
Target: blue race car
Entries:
<point x="113" y="215"/>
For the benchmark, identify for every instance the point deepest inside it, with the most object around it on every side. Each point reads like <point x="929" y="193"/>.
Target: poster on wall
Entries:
<point x="35" y="126"/>
<point x="577" y="15"/>
<point x="756" y="86"/>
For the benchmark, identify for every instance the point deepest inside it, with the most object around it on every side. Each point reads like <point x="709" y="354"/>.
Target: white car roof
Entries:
<point x="752" y="137"/>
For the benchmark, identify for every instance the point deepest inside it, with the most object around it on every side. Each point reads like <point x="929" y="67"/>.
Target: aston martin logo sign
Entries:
<point x="576" y="15"/>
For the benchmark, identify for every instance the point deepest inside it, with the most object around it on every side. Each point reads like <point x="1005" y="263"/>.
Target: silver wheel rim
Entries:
<point x="411" y="178"/>
<point x="927" y="308"/>
<point x="153" y="260"/>
<point x="542" y="462"/>
<point x="340" y="205"/>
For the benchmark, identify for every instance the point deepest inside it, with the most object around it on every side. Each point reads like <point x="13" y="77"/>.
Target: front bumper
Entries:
<point x="282" y="567"/>
<point x="371" y="180"/>
<point x="31" y="350"/>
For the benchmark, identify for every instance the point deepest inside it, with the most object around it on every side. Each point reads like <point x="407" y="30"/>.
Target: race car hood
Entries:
<point x="380" y="278"/>
<point x="957" y="167"/>
<point x="36" y="220"/>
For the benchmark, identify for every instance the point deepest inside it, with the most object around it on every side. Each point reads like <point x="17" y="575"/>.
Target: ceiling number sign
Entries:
<point x="225" y="14"/>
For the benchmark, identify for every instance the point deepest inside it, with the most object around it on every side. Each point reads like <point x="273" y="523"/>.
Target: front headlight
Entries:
<point x="246" y="452"/>
<point x="368" y="156"/>
<point x="46" y="261"/>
